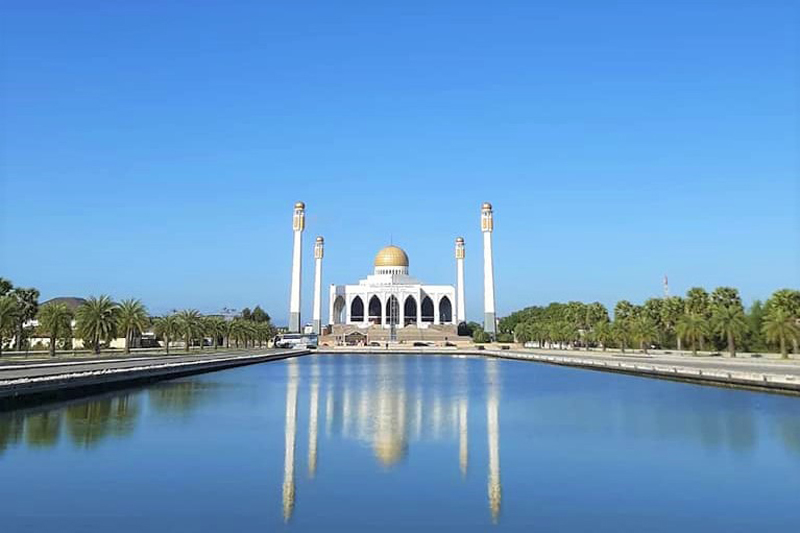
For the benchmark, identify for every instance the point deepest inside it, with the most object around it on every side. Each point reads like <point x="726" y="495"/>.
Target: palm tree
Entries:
<point x="644" y="330"/>
<point x="97" y="321"/>
<point x="779" y="326"/>
<point x="191" y="325"/>
<point x="9" y="311"/>
<point x="56" y="320"/>
<point x="215" y="327"/>
<point x="264" y="330"/>
<point x="692" y="327"/>
<point x="730" y="322"/>
<point x="168" y="327"/>
<point x="28" y="306"/>
<point x="622" y="332"/>
<point x="132" y="320"/>
<point x="604" y="334"/>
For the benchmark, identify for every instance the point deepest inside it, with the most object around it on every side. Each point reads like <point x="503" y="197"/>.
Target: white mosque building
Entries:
<point x="391" y="297"/>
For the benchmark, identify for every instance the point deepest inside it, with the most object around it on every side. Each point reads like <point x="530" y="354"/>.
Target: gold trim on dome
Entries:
<point x="391" y="256"/>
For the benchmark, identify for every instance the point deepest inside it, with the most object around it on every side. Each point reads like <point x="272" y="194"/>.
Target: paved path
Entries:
<point x="33" y="369"/>
<point x="36" y="380"/>
<point x="766" y="366"/>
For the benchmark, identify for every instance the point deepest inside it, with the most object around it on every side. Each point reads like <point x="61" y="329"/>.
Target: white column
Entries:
<point x="487" y="226"/>
<point x="401" y="311"/>
<point x="319" y="249"/>
<point x="298" y="225"/>
<point x="383" y="313"/>
<point x="461" y="314"/>
<point x="365" y="302"/>
<point x="436" y="317"/>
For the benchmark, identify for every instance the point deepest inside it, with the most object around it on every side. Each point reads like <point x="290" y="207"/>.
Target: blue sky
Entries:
<point x="155" y="149"/>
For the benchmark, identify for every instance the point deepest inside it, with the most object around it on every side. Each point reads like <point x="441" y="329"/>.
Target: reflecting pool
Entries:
<point x="358" y="442"/>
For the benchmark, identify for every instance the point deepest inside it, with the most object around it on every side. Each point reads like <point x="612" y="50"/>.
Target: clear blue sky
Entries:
<point x="155" y="149"/>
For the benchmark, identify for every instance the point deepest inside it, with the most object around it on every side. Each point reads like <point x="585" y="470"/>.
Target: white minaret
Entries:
<point x="461" y="314"/>
<point x="319" y="251"/>
<point x="298" y="225"/>
<point x="487" y="225"/>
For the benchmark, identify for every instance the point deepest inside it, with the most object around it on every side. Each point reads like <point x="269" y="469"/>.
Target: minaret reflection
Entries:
<point x="329" y="409"/>
<point x="290" y="432"/>
<point x="313" y="409"/>
<point x="461" y="413"/>
<point x="493" y="430"/>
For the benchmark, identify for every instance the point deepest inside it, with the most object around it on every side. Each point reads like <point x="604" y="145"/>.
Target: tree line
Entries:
<point x="99" y="320"/>
<point x="700" y="320"/>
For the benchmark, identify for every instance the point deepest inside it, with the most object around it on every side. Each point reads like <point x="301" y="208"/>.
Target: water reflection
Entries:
<point x="493" y="425"/>
<point x="290" y="431"/>
<point x="88" y="422"/>
<point x="368" y="403"/>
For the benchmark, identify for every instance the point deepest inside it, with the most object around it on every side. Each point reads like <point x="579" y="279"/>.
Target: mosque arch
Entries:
<point x="427" y="310"/>
<point x="392" y="310"/>
<point x="445" y="310"/>
<point x="338" y="310"/>
<point x="357" y="309"/>
<point x="375" y="310"/>
<point x="410" y="311"/>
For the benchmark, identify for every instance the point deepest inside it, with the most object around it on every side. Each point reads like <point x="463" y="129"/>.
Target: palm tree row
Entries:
<point x="99" y="320"/>
<point x="718" y="319"/>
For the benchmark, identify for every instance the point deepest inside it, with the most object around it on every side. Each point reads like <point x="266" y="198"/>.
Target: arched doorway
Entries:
<point x="357" y="310"/>
<point x="427" y="309"/>
<point x="410" y="311"/>
<point x="338" y="310"/>
<point x="375" y="310"/>
<point x="392" y="310"/>
<point x="445" y="310"/>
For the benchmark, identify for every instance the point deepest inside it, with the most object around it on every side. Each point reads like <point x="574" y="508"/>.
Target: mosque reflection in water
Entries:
<point x="405" y="410"/>
<point x="369" y="403"/>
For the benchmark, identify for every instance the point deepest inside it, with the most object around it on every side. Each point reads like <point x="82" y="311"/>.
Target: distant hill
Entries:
<point x="71" y="301"/>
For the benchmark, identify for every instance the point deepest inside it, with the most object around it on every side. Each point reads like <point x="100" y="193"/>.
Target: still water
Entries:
<point x="351" y="442"/>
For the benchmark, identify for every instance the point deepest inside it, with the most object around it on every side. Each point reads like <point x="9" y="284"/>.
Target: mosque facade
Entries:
<point x="391" y="297"/>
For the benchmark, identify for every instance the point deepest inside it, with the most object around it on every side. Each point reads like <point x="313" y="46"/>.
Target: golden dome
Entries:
<point x="460" y="239"/>
<point x="320" y="239"/>
<point x="487" y="205"/>
<point x="299" y="205"/>
<point x="391" y="256"/>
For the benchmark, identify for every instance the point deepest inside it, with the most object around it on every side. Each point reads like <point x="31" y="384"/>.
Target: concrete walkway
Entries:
<point x="82" y="377"/>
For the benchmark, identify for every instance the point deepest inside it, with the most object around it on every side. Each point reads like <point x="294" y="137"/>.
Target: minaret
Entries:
<point x="298" y="225"/>
<point x="487" y="225"/>
<point x="461" y="315"/>
<point x="319" y="251"/>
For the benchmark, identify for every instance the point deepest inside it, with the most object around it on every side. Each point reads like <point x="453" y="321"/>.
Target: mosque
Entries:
<point x="390" y="299"/>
